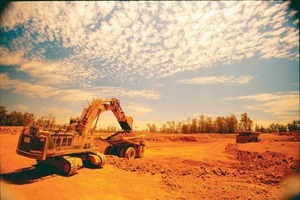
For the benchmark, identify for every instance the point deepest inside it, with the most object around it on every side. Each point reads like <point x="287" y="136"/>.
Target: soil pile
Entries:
<point x="11" y="129"/>
<point x="267" y="167"/>
<point x="171" y="170"/>
<point x="179" y="138"/>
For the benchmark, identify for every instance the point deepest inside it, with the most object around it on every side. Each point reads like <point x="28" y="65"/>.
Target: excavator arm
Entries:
<point x="93" y="111"/>
<point x="124" y="121"/>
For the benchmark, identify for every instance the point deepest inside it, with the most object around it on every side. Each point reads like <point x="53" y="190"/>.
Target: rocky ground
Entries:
<point x="175" y="166"/>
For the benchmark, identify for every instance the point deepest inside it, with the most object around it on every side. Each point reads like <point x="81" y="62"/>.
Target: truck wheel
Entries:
<point x="130" y="153"/>
<point x="67" y="168"/>
<point x="140" y="152"/>
<point x="111" y="150"/>
<point x="122" y="152"/>
<point x="107" y="150"/>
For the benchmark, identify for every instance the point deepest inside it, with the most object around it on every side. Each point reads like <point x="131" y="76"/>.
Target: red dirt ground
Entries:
<point x="175" y="166"/>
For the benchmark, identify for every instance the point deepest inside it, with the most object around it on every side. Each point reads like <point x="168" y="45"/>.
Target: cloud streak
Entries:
<point x="218" y="80"/>
<point x="281" y="104"/>
<point x="21" y="107"/>
<point x="139" y="109"/>
<point x="72" y="95"/>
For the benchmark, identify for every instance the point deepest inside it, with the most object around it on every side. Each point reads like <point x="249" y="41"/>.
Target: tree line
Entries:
<point x="202" y="124"/>
<point x="223" y="125"/>
<point x="15" y="118"/>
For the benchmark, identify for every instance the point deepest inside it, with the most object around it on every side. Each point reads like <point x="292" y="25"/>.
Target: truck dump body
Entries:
<point x="247" y="136"/>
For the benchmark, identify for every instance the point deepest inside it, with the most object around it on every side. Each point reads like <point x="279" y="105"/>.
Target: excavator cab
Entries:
<point x="32" y="145"/>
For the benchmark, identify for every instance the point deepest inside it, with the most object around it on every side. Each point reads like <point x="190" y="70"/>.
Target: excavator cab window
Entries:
<point x="64" y="142"/>
<point x="69" y="142"/>
<point x="57" y="142"/>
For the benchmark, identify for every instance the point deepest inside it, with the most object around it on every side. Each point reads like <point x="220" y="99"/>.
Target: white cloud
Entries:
<point x="281" y="104"/>
<point x="10" y="58"/>
<point x="214" y="80"/>
<point x="52" y="73"/>
<point x="139" y="109"/>
<point x="35" y="90"/>
<point x="21" y="107"/>
<point x="145" y="40"/>
<point x="26" y="88"/>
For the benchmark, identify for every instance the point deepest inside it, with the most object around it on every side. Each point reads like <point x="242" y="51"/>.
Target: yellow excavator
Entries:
<point x="68" y="150"/>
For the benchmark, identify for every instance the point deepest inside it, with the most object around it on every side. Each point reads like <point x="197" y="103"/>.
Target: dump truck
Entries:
<point x="124" y="144"/>
<point x="70" y="149"/>
<point x="247" y="136"/>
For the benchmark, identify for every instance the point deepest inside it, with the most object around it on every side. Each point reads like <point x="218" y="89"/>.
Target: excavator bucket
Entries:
<point x="127" y="124"/>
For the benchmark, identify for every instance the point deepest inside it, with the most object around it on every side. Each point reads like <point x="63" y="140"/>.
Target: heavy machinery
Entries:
<point x="129" y="147"/>
<point x="67" y="150"/>
<point x="247" y="136"/>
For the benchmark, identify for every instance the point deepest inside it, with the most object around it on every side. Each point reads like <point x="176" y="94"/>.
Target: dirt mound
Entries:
<point x="267" y="167"/>
<point x="170" y="167"/>
<point x="171" y="170"/>
<point x="11" y="129"/>
<point x="179" y="138"/>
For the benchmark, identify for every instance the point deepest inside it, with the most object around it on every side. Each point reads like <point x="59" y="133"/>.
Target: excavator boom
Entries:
<point x="90" y="113"/>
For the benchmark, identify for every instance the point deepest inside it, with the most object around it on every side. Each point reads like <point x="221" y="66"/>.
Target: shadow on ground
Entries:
<point x="29" y="175"/>
<point x="36" y="173"/>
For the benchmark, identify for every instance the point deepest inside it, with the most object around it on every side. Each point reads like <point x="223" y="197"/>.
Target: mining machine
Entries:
<point x="71" y="148"/>
<point x="247" y="136"/>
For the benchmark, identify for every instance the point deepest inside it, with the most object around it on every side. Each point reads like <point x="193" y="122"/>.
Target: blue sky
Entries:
<point x="163" y="60"/>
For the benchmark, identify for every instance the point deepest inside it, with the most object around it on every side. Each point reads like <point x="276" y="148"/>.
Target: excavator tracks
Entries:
<point x="65" y="165"/>
<point x="68" y="165"/>
<point x="71" y="165"/>
<point x="96" y="158"/>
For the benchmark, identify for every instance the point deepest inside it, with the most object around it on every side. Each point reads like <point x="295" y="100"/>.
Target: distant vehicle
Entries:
<point x="67" y="150"/>
<point x="247" y="136"/>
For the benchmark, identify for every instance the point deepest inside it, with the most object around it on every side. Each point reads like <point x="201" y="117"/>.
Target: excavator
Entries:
<point x="69" y="149"/>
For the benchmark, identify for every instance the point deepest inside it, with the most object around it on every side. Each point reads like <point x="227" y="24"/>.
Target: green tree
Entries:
<point x="272" y="128"/>
<point x="164" y="128"/>
<point x="178" y="127"/>
<point x="14" y="119"/>
<point x="260" y="128"/>
<point x="152" y="128"/>
<point x="220" y="124"/>
<point x="185" y="128"/>
<point x="171" y="127"/>
<point x="3" y="116"/>
<point x="246" y="122"/>
<point x="111" y="129"/>
<point x="46" y="121"/>
<point x="209" y="125"/>
<point x="231" y="123"/>
<point x="27" y="119"/>
<point x="294" y="126"/>
<point x="201" y="124"/>
<point x="277" y="128"/>
<point x="193" y="127"/>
